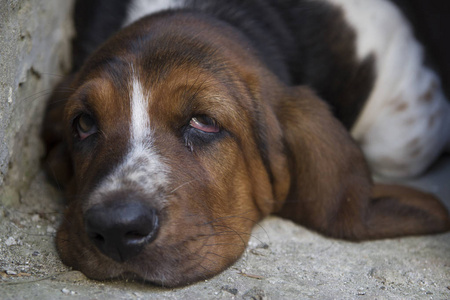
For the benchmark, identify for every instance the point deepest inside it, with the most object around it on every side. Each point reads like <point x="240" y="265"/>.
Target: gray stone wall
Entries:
<point x="34" y="54"/>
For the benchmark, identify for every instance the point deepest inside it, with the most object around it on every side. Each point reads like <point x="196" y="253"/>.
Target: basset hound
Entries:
<point x="186" y="122"/>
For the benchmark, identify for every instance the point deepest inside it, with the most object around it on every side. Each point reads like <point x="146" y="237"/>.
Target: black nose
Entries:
<point x="121" y="229"/>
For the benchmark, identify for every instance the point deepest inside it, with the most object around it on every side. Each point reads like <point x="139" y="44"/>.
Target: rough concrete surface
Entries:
<point x="34" y="53"/>
<point x="283" y="260"/>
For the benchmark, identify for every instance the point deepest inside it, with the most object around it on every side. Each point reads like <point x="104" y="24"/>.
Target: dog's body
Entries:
<point x="190" y="125"/>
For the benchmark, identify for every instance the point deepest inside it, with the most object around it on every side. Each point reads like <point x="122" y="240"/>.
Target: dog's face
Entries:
<point x="171" y="162"/>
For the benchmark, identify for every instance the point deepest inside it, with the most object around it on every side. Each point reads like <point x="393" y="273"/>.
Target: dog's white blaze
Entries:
<point x="400" y="133"/>
<point x="140" y="121"/>
<point x="142" y="168"/>
<point x="140" y="8"/>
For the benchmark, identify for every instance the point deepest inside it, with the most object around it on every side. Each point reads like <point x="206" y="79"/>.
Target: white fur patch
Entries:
<point x="405" y="123"/>
<point x="142" y="168"/>
<point x="140" y="121"/>
<point x="140" y="8"/>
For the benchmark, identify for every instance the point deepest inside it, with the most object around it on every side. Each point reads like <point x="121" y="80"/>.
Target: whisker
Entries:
<point x="236" y="232"/>
<point x="218" y="255"/>
<point x="255" y="223"/>
<point x="181" y="185"/>
<point x="43" y="93"/>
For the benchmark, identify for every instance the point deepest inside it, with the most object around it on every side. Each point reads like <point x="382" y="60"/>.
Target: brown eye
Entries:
<point x="204" y="124"/>
<point x="85" y="126"/>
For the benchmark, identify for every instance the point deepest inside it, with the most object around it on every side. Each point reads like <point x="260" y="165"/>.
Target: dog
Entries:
<point x="186" y="122"/>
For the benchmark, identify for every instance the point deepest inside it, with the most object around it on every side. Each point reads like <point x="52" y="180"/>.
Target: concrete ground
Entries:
<point x="283" y="260"/>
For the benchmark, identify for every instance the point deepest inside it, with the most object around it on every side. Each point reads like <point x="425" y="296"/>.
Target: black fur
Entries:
<point x="301" y="41"/>
<point x="431" y="24"/>
<point x="95" y="21"/>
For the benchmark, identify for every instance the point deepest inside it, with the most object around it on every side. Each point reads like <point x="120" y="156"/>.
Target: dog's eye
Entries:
<point x="85" y="125"/>
<point x="205" y="124"/>
<point x="201" y="131"/>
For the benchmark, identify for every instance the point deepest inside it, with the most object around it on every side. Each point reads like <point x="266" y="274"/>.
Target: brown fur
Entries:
<point x="283" y="152"/>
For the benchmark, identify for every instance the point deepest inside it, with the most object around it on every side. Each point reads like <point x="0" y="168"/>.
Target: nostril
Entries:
<point x="143" y="231"/>
<point x="121" y="229"/>
<point x="96" y="237"/>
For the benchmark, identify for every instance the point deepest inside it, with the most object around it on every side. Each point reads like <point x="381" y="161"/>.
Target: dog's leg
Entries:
<point x="407" y="135"/>
<point x="405" y="123"/>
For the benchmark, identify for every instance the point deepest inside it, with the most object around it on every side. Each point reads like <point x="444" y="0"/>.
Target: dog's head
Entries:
<point x="174" y="155"/>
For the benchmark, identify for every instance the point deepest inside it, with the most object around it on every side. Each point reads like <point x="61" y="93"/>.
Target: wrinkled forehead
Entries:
<point x="145" y="92"/>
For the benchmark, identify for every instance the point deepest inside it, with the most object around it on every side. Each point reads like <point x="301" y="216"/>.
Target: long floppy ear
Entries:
<point x="57" y="162"/>
<point x="331" y="189"/>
